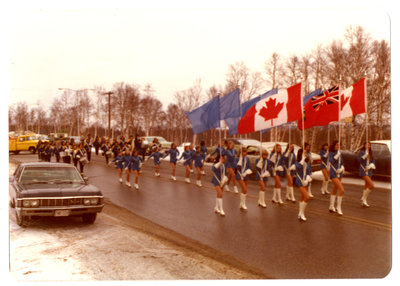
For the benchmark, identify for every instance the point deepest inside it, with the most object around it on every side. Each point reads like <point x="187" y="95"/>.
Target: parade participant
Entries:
<point x="56" y="151"/>
<point x="82" y="156"/>
<point x="96" y="145"/>
<point x="156" y="155"/>
<point x="75" y="155"/>
<point x="134" y="166"/>
<point x="218" y="180"/>
<point x="324" y="153"/>
<point x="242" y="175"/>
<point x="119" y="164"/>
<point x="192" y="151"/>
<point x="106" y="151"/>
<point x="204" y="154"/>
<point x="173" y="155"/>
<point x="220" y="150"/>
<point x="155" y="144"/>
<point x="198" y="164"/>
<point x="187" y="156"/>
<point x="336" y="171"/>
<point x="231" y="153"/>
<point x="126" y="159"/>
<point x="39" y="148"/>
<point x="277" y="167"/>
<point x="367" y="164"/>
<point x="262" y="175"/>
<point x="66" y="153"/>
<point x="47" y="152"/>
<point x="290" y="171"/>
<point x="88" y="147"/>
<point x="115" y="148"/>
<point x="303" y="179"/>
<point x="307" y="149"/>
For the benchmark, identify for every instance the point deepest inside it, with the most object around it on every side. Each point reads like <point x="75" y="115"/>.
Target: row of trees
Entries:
<point x="136" y="109"/>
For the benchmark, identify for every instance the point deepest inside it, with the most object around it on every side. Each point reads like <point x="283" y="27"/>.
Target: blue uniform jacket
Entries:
<point x="275" y="161"/>
<point x="204" y="151"/>
<point x="302" y="171"/>
<point x="119" y="162"/>
<point x="288" y="162"/>
<point x="219" y="173"/>
<point x="230" y="160"/>
<point x="134" y="163"/>
<point x="173" y="155"/>
<point x="260" y="171"/>
<point x="198" y="159"/>
<point x="240" y="174"/>
<point x="363" y="164"/>
<point x="324" y="159"/>
<point x="156" y="156"/>
<point x="335" y="165"/>
<point x="187" y="157"/>
<point x="219" y="150"/>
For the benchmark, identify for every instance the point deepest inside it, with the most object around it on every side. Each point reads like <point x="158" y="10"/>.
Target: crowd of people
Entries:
<point x="230" y="167"/>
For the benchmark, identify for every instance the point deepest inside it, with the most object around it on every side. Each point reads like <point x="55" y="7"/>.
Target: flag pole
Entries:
<point x="340" y="104"/>
<point x="366" y="106"/>
<point x="302" y="111"/>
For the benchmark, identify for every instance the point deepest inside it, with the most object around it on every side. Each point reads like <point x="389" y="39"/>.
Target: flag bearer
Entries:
<point x="262" y="175"/>
<point x="277" y="166"/>
<point x="367" y="164"/>
<point x="324" y="153"/>
<point x="218" y="180"/>
<point x="290" y="171"/>
<point x="242" y="175"/>
<point x="307" y="149"/>
<point x="303" y="179"/>
<point x="173" y="155"/>
<point x="204" y="154"/>
<point x="336" y="171"/>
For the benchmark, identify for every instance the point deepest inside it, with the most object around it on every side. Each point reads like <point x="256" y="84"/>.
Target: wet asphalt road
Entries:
<point x="272" y="240"/>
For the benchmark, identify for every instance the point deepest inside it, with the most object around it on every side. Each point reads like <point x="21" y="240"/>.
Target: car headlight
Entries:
<point x="25" y="204"/>
<point x="34" y="203"/>
<point x="86" y="202"/>
<point x="94" y="201"/>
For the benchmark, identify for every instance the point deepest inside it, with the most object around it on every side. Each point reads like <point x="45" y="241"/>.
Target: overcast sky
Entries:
<point x="71" y="47"/>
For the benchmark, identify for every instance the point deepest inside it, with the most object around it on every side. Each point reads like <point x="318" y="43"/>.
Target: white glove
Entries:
<point x="260" y="163"/>
<point x="305" y="183"/>
<point x="326" y="155"/>
<point x="223" y="181"/>
<point x="248" y="172"/>
<point x="308" y="179"/>
<point x="336" y="157"/>
<point x="265" y="174"/>
<point x="340" y="170"/>
<point x="217" y="165"/>
<point x="365" y="155"/>
<point x="279" y="168"/>
<point x="140" y="164"/>
<point x="371" y="166"/>
<point x="292" y="168"/>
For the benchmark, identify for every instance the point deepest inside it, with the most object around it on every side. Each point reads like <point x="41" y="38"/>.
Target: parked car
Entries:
<point x="148" y="140"/>
<point x="382" y="153"/>
<point x="52" y="189"/>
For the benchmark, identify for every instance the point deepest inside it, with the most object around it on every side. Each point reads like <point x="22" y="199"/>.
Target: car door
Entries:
<point x="383" y="158"/>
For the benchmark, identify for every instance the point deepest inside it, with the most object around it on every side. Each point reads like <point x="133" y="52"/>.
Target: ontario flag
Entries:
<point x="322" y="109"/>
<point x="280" y="108"/>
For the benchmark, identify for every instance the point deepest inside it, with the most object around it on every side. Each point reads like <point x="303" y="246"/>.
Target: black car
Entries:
<point x="381" y="151"/>
<point x="52" y="189"/>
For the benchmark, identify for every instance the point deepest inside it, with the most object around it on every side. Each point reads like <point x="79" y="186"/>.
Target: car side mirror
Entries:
<point x="86" y="179"/>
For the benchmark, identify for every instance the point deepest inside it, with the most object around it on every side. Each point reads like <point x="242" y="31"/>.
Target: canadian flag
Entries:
<point x="352" y="100"/>
<point x="277" y="109"/>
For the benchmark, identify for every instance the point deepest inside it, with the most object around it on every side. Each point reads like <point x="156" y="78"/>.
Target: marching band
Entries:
<point x="229" y="166"/>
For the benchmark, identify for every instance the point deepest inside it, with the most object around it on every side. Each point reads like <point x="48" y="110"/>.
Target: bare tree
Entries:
<point x="274" y="70"/>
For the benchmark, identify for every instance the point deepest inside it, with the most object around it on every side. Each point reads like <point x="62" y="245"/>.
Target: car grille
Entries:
<point x="61" y="202"/>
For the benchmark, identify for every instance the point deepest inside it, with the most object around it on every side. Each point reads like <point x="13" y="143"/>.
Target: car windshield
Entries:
<point x="250" y="142"/>
<point x="34" y="175"/>
<point x="161" y="139"/>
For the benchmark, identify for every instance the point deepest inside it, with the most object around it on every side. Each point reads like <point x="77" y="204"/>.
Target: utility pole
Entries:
<point x="109" y="112"/>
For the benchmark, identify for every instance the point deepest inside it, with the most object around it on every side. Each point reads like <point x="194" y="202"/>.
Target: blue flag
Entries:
<point x="244" y="107"/>
<point x="229" y="105"/>
<point x="205" y="117"/>
<point x="310" y="95"/>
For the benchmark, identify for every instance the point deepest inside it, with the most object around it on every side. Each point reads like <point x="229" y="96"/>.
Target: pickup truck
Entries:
<point x="22" y="143"/>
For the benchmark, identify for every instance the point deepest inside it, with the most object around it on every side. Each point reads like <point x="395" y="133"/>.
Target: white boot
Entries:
<point x="324" y="188"/>
<point x="274" y="196"/>
<point x="136" y="186"/>
<point x="227" y="188"/>
<point x="302" y="207"/>
<point x="187" y="180"/>
<point x="243" y="201"/>
<point x="128" y="184"/>
<point x="288" y="198"/>
<point x="216" y="209"/>
<point x="309" y="191"/>
<point x="235" y="189"/>
<point x="221" y="210"/>
<point x="120" y="180"/>
<point x="291" y="194"/>
<point x="364" y="203"/>
<point x="278" y="192"/>
<point x="198" y="183"/>
<point x="261" y="199"/>
<point x="339" y="205"/>
<point x="332" y="204"/>
<point x="173" y="178"/>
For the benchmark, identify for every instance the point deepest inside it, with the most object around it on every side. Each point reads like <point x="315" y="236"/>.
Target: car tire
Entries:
<point x="89" y="218"/>
<point x="16" y="152"/>
<point x="21" y="220"/>
<point x="32" y="150"/>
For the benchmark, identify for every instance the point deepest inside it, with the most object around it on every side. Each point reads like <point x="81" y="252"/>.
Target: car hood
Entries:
<point x="58" y="190"/>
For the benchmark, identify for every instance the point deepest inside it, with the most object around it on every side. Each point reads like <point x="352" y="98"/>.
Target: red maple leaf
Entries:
<point x="271" y="110"/>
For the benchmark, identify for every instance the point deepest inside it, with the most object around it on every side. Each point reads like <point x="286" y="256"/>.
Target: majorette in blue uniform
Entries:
<point x="243" y="170"/>
<point x="367" y="164"/>
<point x="262" y="167"/>
<point x="290" y="169"/>
<point x="336" y="168"/>
<point x="219" y="179"/>
<point x="303" y="179"/>
<point x="277" y="162"/>
<point x="173" y="155"/>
